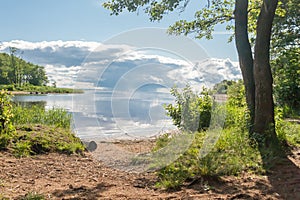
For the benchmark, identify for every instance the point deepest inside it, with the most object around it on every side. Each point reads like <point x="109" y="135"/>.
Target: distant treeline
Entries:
<point x="18" y="72"/>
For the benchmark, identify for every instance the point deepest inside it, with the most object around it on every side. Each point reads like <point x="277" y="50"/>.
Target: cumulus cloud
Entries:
<point x="119" y="66"/>
<point x="64" y="59"/>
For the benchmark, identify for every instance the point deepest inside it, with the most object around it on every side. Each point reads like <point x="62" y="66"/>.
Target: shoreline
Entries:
<point x="40" y="93"/>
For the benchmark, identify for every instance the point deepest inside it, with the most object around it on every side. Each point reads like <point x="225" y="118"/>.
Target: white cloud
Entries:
<point x="53" y="45"/>
<point x="93" y="64"/>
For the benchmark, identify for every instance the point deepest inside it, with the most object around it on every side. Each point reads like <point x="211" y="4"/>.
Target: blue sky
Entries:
<point x="86" y="20"/>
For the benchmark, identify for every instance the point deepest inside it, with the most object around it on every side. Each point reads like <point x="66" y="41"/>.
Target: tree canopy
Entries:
<point x="14" y="70"/>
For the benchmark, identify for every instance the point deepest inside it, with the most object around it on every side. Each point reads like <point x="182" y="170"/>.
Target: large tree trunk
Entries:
<point x="245" y="54"/>
<point x="264" y="104"/>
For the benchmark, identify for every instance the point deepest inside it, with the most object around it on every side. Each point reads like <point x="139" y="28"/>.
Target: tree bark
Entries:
<point x="245" y="54"/>
<point x="264" y="104"/>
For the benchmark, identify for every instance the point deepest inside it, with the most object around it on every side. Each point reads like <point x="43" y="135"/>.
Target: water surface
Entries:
<point x="103" y="115"/>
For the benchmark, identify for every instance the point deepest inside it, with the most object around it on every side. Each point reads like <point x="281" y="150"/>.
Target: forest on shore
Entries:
<point x="16" y="75"/>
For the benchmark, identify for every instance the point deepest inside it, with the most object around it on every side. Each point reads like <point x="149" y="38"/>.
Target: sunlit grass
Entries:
<point x="40" y="131"/>
<point x="38" y="115"/>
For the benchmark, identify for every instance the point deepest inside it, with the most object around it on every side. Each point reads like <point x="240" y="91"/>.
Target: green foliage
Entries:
<point x="206" y="18"/>
<point x="286" y="69"/>
<point x="30" y="137"/>
<point x="287" y="132"/>
<point x="33" y="89"/>
<point x="236" y="94"/>
<point x="234" y="153"/>
<point x="237" y="114"/>
<point x="5" y="110"/>
<point x="286" y="21"/>
<point x="38" y="115"/>
<point x="191" y="111"/>
<point x="18" y="75"/>
<point x="16" y="71"/>
<point x="6" y="115"/>
<point x="38" y="139"/>
<point x="285" y="27"/>
<point x="231" y="155"/>
<point x="21" y="148"/>
<point x="222" y="87"/>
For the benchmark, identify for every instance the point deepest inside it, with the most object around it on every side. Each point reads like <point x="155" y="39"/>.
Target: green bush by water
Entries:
<point x="191" y="111"/>
<point x="33" y="130"/>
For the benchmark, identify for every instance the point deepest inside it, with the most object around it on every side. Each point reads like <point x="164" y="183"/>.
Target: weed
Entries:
<point x="38" y="115"/>
<point x="33" y="196"/>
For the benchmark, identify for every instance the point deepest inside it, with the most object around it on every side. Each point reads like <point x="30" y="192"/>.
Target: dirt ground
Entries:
<point x="59" y="176"/>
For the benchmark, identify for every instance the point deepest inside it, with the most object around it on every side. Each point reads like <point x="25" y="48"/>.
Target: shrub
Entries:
<point x="191" y="111"/>
<point x="6" y="127"/>
<point x="5" y="111"/>
<point x="286" y="70"/>
<point x="222" y="87"/>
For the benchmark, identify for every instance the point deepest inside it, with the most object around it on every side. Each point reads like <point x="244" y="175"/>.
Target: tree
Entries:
<point x="13" y="51"/>
<point x="16" y="71"/>
<point x="256" y="71"/>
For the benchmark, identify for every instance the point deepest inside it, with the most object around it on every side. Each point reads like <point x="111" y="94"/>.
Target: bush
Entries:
<point x="286" y="70"/>
<point x="5" y="111"/>
<point x="191" y="111"/>
<point x="7" y="129"/>
<point x="237" y="114"/>
<point x="222" y="87"/>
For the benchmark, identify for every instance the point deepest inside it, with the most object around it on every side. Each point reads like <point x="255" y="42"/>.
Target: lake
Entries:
<point x="105" y="115"/>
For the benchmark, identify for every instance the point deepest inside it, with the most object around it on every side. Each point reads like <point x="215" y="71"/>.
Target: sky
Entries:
<point x="87" y="20"/>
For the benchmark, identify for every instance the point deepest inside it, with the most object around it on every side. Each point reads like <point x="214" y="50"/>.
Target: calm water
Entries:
<point x="105" y="115"/>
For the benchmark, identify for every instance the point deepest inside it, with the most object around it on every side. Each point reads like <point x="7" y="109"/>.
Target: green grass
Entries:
<point x="38" y="139"/>
<point x="232" y="154"/>
<point x="37" y="131"/>
<point x="288" y="133"/>
<point x="38" y="115"/>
